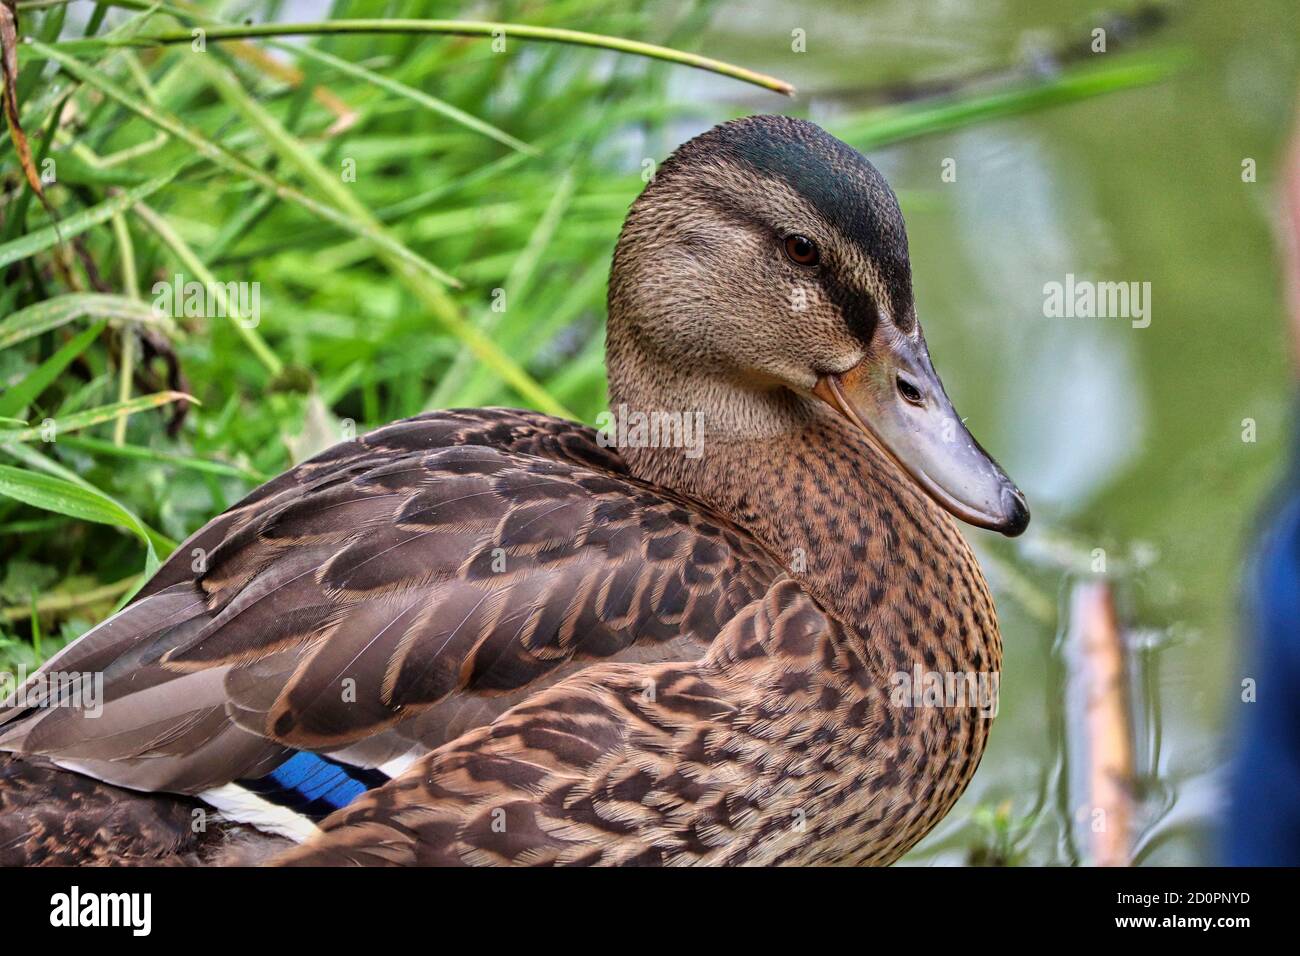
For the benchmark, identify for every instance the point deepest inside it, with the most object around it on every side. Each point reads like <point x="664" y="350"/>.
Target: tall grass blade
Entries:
<point x="470" y="28"/>
<point x="41" y="239"/>
<point x="62" y="309"/>
<point x="50" y="430"/>
<point x="40" y="378"/>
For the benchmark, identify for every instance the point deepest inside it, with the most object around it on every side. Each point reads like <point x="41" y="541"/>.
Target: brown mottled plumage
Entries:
<point x="581" y="654"/>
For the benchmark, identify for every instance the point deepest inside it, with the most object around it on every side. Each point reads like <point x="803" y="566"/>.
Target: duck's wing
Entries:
<point x="386" y="597"/>
<point x="719" y="760"/>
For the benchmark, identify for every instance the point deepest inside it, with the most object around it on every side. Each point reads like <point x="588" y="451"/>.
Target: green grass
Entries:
<point x="384" y="185"/>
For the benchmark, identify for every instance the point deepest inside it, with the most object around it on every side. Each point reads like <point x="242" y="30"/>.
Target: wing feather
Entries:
<point x="391" y="594"/>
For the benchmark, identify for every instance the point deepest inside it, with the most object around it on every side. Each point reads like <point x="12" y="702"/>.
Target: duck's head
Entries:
<point x="769" y="260"/>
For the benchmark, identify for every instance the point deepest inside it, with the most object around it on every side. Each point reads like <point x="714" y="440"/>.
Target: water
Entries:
<point x="1128" y="440"/>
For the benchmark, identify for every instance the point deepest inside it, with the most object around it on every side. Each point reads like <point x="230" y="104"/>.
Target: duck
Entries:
<point x="495" y="637"/>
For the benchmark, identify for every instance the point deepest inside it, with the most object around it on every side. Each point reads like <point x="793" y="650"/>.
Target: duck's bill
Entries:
<point x="916" y="425"/>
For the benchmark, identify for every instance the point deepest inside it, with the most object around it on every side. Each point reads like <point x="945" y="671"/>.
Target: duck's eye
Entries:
<point x="801" y="250"/>
<point x="909" y="391"/>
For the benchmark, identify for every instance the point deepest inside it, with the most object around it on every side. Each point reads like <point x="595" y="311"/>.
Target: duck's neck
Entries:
<point x="839" y="515"/>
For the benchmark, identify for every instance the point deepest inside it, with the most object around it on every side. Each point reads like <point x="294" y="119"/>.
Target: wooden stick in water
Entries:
<point x="1099" y="732"/>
